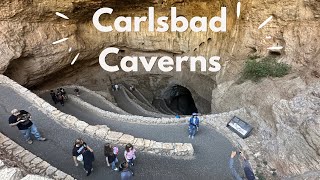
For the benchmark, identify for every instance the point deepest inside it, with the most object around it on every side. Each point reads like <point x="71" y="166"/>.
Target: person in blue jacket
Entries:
<point x="193" y="125"/>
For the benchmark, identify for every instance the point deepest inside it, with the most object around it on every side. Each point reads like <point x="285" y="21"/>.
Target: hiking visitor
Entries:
<point x="60" y="97"/>
<point x="131" y="88"/>
<point x="88" y="158"/>
<point x="126" y="173"/>
<point x="111" y="154"/>
<point x="193" y="125"/>
<point x="53" y="96"/>
<point x="177" y="116"/>
<point x="22" y="119"/>
<point x="116" y="87"/>
<point x="245" y="164"/>
<point x="129" y="154"/>
<point x="77" y="91"/>
<point x="64" y="94"/>
<point x="78" y="148"/>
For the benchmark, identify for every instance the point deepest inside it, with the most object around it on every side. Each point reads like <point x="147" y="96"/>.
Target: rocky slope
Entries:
<point x="288" y="130"/>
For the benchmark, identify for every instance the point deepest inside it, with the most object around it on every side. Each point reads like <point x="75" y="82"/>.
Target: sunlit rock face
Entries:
<point x="27" y="55"/>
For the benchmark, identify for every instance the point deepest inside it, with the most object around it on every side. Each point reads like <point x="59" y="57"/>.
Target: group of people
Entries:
<point x="59" y="96"/>
<point x="83" y="154"/>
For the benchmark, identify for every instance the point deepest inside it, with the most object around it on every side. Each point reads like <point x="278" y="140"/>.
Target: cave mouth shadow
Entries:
<point x="180" y="100"/>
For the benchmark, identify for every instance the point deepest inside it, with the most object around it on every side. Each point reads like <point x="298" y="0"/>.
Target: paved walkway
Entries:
<point x="212" y="150"/>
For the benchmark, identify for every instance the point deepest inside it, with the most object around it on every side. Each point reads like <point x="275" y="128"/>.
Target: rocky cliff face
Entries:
<point x="28" y="28"/>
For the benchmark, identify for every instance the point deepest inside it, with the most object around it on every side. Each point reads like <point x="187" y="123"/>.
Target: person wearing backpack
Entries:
<point x="246" y="167"/>
<point x="193" y="125"/>
<point x="111" y="154"/>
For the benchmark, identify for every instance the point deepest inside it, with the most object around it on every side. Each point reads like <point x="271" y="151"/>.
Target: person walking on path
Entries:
<point x="54" y="96"/>
<point x="246" y="167"/>
<point x="60" y="97"/>
<point x="126" y="173"/>
<point x="116" y="87"/>
<point x="78" y="148"/>
<point x="77" y="91"/>
<point x="22" y="119"/>
<point x="88" y="158"/>
<point x="129" y="154"/>
<point x="111" y="154"/>
<point x="193" y="125"/>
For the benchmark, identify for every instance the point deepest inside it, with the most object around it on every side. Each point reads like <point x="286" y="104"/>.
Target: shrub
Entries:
<point x="267" y="67"/>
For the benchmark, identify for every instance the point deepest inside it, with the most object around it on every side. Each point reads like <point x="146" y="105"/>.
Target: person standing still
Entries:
<point x="22" y="119"/>
<point x="193" y="125"/>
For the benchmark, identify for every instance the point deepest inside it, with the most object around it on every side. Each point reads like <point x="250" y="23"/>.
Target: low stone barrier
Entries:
<point x="177" y="150"/>
<point x="30" y="161"/>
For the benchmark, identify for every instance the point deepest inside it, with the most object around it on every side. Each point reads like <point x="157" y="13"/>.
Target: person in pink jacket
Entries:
<point x="129" y="154"/>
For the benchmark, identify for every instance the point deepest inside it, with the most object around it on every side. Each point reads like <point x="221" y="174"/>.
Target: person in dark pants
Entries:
<point x="54" y="97"/>
<point x="78" y="148"/>
<point x="60" y="98"/>
<point x="126" y="173"/>
<point x="88" y="158"/>
<point x="22" y="119"/>
<point x="246" y="167"/>
<point x="193" y="125"/>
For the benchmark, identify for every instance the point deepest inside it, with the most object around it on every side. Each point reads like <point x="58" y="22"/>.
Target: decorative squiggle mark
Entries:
<point x="275" y="48"/>
<point x="238" y="9"/>
<point x="60" y="41"/>
<point x="265" y="22"/>
<point x="61" y="15"/>
<point x="75" y="58"/>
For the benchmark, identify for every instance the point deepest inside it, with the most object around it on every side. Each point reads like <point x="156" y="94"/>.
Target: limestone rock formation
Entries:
<point x="285" y="113"/>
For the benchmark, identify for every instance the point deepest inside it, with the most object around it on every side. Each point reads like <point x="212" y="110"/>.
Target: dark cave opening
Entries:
<point x="180" y="100"/>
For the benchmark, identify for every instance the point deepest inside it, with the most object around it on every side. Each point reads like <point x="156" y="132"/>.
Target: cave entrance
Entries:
<point x="180" y="100"/>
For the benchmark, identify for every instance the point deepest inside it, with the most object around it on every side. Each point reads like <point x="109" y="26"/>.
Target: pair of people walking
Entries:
<point x="83" y="154"/>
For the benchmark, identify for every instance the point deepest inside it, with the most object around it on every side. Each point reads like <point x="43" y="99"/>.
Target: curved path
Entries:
<point x="96" y="100"/>
<point x="127" y="104"/>
<point x="212" y="150"/>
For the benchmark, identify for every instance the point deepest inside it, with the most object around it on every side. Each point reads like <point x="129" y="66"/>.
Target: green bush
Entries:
<point x="267" y="67"/>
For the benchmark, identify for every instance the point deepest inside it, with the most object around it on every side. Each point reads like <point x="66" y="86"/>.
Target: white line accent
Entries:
<point x="265" y="22"/>
<point x="75" y="58"/>
<point x="70" y="49"/>
<point x="60" y="41"/>
<point x="61" y="15"/>
<point x="275" y="48"/>
<point x="238" y="9"/>
<point x="268" y="37"/>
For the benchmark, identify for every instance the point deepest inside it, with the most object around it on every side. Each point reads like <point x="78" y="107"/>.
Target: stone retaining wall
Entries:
<point x="177" y="150"/>
<point x="30" y="161"/>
